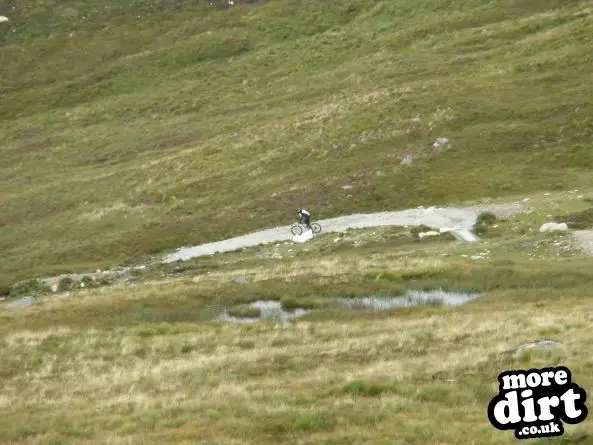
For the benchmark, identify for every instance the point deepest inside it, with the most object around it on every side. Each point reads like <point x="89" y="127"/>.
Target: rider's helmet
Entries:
<point x="299" y="210"/>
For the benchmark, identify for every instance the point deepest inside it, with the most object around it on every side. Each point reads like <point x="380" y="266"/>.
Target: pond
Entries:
<point x="272" y="310"/>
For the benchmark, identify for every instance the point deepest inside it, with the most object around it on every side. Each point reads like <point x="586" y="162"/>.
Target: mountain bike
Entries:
<point x="297" y="229"/>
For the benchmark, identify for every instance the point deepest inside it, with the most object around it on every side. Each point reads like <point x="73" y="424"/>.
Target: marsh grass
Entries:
<point x="303" y="381"/>
<point x="244" y="311"/>
<point x="290" y="304"/>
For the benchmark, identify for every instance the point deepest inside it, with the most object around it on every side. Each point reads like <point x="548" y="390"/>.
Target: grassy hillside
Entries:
<point x="148" y="364"/>
<point x="130" y="127"/>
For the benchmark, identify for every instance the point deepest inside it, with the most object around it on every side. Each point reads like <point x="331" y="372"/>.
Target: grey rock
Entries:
<point x="539" y="344"/>
<point x="553" y="227"/>
<point x="407" y="160"/>
<point x="440" y="143"/>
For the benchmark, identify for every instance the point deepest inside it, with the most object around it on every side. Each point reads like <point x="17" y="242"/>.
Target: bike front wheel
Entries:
<point x="315" y="227"/>
<point x="296" y="229"/>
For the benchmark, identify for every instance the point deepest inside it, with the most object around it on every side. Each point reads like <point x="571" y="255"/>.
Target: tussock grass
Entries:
<point x="303" y="303"/>
<point x="378" y="377"/>
<point x="244" y="312"/>
<point x="147" y="361"/>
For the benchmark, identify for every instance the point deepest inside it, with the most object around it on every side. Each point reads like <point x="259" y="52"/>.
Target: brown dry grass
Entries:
<point x="404" y="378"/>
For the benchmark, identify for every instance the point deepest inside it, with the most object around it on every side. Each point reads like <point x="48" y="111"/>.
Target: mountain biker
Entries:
<point x="304" y="217"/>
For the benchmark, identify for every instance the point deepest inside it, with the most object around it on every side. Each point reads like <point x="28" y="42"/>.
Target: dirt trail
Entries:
<point x="584" y="239"/>
<point x="436" y="217"/>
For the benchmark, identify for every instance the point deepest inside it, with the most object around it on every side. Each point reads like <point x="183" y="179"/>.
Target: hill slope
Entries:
<point x="156" y="361"/>
<point x="131" y="127"/>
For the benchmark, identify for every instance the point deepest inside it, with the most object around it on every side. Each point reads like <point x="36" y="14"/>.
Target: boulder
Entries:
<point x="553" y="227"/>
<point x="537" y="345"/>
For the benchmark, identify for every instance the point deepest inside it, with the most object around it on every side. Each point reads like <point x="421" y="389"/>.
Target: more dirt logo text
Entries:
<point x="535" y="403"/>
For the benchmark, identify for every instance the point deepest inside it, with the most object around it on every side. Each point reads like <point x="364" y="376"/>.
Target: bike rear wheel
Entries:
<point x="296" y="229"/>
<point x="316" y="228"/>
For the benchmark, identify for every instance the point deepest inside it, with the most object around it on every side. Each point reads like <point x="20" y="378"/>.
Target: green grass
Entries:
<point x="131" y="128"/>
<point x="161" y="124"/>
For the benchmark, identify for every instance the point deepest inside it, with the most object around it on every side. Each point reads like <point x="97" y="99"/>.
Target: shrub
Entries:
<point x="487" y="218"/>
<point x="483" y="222"/>
<point x="66" y="284"/>
<point x="417" y="230"/>
<point x="30" y="287"/>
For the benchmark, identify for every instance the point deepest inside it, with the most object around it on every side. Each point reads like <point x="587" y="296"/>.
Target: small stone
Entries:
<point x="440" y="142"/>
<point x="407" y="160"/>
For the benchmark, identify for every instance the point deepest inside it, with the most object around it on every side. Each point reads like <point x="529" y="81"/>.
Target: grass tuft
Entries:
<point x="244" y="311"/>
<point x="577" y="220"/>
<point x="291" y="304"/>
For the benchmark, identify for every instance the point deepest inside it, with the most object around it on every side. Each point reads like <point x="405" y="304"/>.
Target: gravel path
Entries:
<point x="448" y="217"/>
<point x="584" y="240"/>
